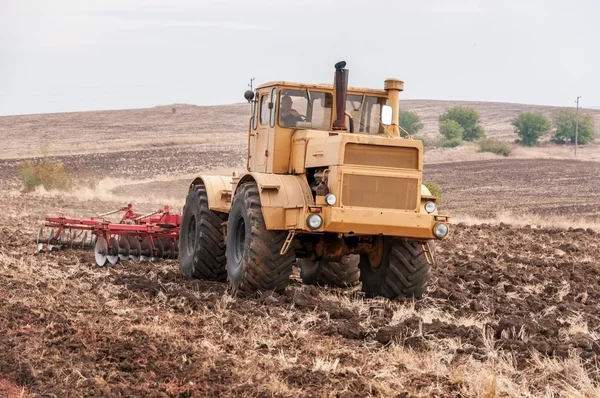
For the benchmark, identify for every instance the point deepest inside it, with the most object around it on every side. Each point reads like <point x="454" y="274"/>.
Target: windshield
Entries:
<point x="305" y="108"/>
<point x="365" y="110"/>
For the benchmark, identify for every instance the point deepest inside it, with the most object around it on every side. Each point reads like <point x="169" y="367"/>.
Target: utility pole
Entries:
<point x="250" y="85"/>
<point x="576" y="123"/>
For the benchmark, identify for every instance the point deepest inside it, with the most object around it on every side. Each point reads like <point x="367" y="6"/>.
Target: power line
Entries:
<point x="576" y="123"/>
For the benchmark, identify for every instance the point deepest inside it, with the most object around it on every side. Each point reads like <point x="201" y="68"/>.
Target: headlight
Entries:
<point x="314" y="221"/>
<point x="440" y="230"/>
<point x="429" y="206"/>
<point x="330" y="199"/>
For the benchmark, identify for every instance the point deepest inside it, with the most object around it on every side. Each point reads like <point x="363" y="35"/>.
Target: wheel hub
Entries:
<point x="240" y="234"/>
<point x="191" y="236"/>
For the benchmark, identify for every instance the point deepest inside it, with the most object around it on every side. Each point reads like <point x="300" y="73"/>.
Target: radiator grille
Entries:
<point x="381" y="156"/>
<point x="379" y="192"/>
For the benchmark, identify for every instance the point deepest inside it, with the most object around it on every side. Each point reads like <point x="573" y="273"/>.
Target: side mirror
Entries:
<point x="249" y="95"/>
<point x="386" y="115"/>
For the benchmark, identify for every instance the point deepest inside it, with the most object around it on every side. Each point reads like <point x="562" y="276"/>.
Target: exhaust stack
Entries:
<point x="340" y="90"/>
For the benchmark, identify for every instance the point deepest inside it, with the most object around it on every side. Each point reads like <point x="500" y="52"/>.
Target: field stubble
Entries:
<point x="511" y="309"/>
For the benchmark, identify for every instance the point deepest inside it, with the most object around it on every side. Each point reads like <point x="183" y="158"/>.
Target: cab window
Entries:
<point x="264" y="109"/>
<point x="305" y="108"/>
<point x="365" y="110"/>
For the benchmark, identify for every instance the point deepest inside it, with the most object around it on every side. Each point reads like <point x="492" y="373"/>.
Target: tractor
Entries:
<point x="332" y="185"/>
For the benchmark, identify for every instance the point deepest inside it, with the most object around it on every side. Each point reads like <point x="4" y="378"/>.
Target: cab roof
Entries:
<point x="326" y="87"/>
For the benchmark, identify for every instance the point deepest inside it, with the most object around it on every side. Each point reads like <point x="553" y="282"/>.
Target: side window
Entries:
<point x="264" y="109"/>
<point x="255" y="111"/>
<point x="272" y="113"/>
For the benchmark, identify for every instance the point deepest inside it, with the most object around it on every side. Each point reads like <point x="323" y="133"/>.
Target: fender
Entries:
<point x="218" y="191"/>
<point x="283" y="198"/>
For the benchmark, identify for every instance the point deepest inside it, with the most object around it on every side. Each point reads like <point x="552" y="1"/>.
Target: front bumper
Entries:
<point x="360" y="221"/>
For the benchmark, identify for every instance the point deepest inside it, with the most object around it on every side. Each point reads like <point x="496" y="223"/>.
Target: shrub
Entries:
<point x="530" y="127"/>
<point x="468" y="119"/>
<point x="47" y="173"/>
<point x="494" y="146"/>
<point x="410" y="121"/>
<point x="452" y="134"/>
<point x="564" y="121"/>
<point x="449" y="143"/>
<point x="451" y="130"/>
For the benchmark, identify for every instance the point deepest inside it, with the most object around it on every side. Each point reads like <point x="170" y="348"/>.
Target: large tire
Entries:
<point x="343" y="273"/>
<point x="402" y="272"/>
<point x="254" y="262"/>
<point x="201" y="241"/>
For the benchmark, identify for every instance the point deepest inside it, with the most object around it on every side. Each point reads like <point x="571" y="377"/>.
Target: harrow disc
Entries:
<point x="135" y="248"/>
<point x="51" y="240"/>
<point x="61" y="240"/>
<point x="40" y="240"/>
<point x="81" y="245"/>
<point x="160" y="253"/>
<point x="113" y="251"/>
<point x="168" y="248"/>
<point x="146" y="250"/>
<point x="123" y="248"/>
<point x="101" y="251"/>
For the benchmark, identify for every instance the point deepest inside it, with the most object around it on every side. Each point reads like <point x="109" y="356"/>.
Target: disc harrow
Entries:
<point x="135" y="237"/>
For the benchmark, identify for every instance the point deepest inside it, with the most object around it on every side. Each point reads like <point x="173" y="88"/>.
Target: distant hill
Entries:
<point x="183" y="124"/>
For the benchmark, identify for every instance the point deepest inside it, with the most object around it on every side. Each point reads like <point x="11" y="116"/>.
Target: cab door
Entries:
<point x="263" y="134"/>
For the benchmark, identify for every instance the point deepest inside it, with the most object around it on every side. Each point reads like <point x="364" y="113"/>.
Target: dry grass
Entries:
<point x="282" y="342"/>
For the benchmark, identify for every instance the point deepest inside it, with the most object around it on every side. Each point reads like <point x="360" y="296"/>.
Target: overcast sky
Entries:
<point x="71" y="55"/>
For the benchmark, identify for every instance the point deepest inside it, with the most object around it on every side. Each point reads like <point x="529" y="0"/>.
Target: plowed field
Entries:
<point x="512" y="309"/>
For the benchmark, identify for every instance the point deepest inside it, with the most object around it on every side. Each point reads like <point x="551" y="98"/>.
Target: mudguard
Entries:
<point x="283" y="198"/>
<point x="218" y="190"/>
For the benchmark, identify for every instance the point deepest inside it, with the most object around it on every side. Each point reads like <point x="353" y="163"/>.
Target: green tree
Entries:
<point x="468" y="119"/>
<point x="452" y="133"/>
<point x="530" y="127"/>
<point x="564" y="121"/>
<point x="410" y="122"/>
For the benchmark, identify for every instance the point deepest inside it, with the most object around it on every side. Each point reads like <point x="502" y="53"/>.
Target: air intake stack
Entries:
<point x="393" y="88"/>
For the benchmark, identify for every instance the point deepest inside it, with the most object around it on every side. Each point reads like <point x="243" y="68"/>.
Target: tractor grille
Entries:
<point x="380" y="192"/>
<point x="381" y="156"/>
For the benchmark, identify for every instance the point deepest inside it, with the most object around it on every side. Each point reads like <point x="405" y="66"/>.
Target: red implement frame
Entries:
<point x="136" y="236"/>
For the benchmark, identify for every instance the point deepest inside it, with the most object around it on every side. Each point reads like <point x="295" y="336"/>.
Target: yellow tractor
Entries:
<point x="331" y="186"/>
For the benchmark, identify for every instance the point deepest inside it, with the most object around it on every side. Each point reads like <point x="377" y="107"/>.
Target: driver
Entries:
<point x="287" y="115"/>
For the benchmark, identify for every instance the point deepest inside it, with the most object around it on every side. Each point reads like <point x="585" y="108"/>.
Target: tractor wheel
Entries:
<point x="343" y="273"/>
<point x="201" y="242"/>
<point x="401" y="272"/>
<point x="254" y="261"/>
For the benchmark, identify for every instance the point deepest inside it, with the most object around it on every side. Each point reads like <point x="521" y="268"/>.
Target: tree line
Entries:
<point x="461" y="123"/>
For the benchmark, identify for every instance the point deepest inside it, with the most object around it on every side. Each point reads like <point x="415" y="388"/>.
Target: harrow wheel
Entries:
<point x="101" y="251"/>
<point x="123" y="248"/>
<point x="113" y="251"/>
